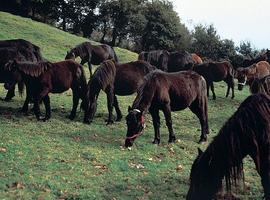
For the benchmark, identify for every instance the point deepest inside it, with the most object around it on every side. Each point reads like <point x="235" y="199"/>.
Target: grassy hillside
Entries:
<point x="63" y="159"/>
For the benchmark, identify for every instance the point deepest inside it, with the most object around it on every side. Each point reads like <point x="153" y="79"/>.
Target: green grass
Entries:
<point x="67" y="159"/>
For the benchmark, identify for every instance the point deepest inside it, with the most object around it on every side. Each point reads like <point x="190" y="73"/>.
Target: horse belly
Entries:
<point x="180" y="102"/>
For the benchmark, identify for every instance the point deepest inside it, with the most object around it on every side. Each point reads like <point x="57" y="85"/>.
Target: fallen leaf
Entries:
<point x="179" y="168"/>
<point x="16" y="185"/>
<point x="3" y="149"/>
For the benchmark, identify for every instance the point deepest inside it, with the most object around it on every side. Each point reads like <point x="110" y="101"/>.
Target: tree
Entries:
<point x="245" y="48"/>
<point x="163" y="28"/>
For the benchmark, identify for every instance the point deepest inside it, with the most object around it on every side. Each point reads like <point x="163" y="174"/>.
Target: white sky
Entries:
<point x="239" y="20"/>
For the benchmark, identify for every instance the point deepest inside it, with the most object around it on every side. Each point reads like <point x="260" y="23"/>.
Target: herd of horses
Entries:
<point x="166" y="81"/>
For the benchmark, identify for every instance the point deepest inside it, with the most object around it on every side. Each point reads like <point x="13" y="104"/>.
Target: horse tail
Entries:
<point x="115" y="56"/>
<point x="83" y="86"/>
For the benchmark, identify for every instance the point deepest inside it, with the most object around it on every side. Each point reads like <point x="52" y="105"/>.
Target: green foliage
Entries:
<point x="163" y="28"/>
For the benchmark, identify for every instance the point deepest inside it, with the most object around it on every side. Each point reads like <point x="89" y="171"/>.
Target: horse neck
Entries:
<point x="144" y="98"/>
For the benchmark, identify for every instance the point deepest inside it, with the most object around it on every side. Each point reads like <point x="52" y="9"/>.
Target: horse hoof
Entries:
<point x="156" y="141"/>
<point x="233" y="97"/>
<point x="71" y="117"/>
<point x="87" y="121"/>
<point x="202" y="140"/>
<point x="171" y="140"/>
<point x="118" y="119"/>
<point x="109" y="123"/>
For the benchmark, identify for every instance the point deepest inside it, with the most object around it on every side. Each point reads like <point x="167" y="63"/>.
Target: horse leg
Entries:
<point x="10" y="94"/>
<point x="117" y="109"/>
<point x="75" y="99"/>
<point x="207" y="87"/>
<point x="199" y="108"/>
<point x="213" y="90"/>
<point x="90" y="69"/>
<point x="27" y="100"/>
<point x="265" y="175"/>
<point x="168" y="118"/>
<point x="110" y="98"/>
<point x="46" y="101"/>
<point x="37" y="100"/>
<point x="232" y="85"/>
<point x="156" y="123"/>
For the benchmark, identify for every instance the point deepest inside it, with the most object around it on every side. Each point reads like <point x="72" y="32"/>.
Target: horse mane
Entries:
<point x="260" y="85"/>
<point x="146" y="91"/>
<point x="79" y="50"/>
<point x="250" y="124"/>
<point x="33" y="69"/>
<point x="104" y="75"/>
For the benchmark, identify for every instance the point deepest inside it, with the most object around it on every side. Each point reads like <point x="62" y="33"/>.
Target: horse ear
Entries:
<point x="200" y="152"/>
<point x="129" y="108"/>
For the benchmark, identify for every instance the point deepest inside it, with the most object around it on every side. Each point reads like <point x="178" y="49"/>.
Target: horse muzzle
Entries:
<point x="240" y="86"/>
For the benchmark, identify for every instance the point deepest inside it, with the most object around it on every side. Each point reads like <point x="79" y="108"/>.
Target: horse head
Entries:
<point x="70" y="55"/>
<point x="135" y="125"/>
<point x="12" y="75"/>
<point x="241" y="77"/>
<point x="200" y="187"/>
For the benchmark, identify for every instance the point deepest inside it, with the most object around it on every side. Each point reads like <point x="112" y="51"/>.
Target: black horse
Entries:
<point x="168" y="61"/>
<point x="167" y="92"/>
<point x="247" y="132"/>
<point x="114" y="79"/>
<point x="20" y="50"/>
<point x="44" y="77"/>
<point x="92" y="54"/>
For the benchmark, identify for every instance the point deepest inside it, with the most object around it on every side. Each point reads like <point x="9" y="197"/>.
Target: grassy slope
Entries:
<point x="64" y="159"/>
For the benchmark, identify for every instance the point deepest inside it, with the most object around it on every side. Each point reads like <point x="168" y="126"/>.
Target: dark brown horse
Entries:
<point x="44" y="77"/>
<point x="167" y="92"/>
<point x="247" y="132"/>
<point x="114" y="79"/>
<point x="168" y="61"/>
<point x="92" y="54"/>
<point x="248" y="74"/>
<point x="215" y="72"/>
<point x="250" y="61"/>
<point x="261" y="85"/>
<point x="20" y="50"/>
<point x="158" y="58"/>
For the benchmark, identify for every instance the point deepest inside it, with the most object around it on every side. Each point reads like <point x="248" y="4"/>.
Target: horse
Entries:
<point x="250" y="61"/>
<point x="215" y="72"/>
<point x="44" y="77"/>
<point x="114" y="79"/>
<point x="158" y="58"/>
<point x="261" y="85"/>
<point x="168" y="61"/>
<point x="20" y="50"/>
<point x="167" y="92"/>
<point x="247" y="132"/>
<point x="247" y="75"/>
<point x="196" y="59"/>
<point x="92" y="54"/>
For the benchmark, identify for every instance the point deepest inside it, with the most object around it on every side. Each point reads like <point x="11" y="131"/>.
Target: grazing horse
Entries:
<point x="247" y="132"/>
<point x="20" y="50"/>
<point x="44" y="77"/>
<point x="215" y="72"/>
<point x="261" y="85"/>
<point x="196" y="59"/>
<point x="92" y="54"/>
<point x="247" y="75"/>
<point x="167" y="92"/>
<point x="114" y="79"/>
<point x="158" y="58"/>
